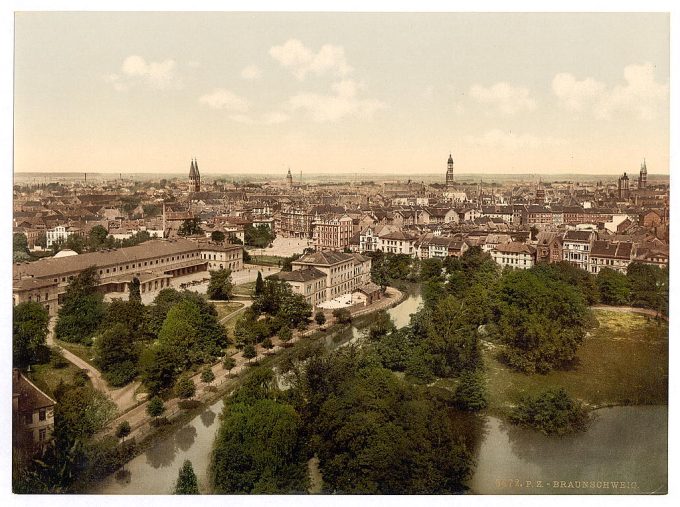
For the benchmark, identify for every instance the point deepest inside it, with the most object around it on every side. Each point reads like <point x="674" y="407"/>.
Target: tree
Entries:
<point x="267" y="344"/>
<point x="533" y="232"/>
<point x="249" y="352"/>
<point x="614" y="287"/>
<point x="20" y="246"/>
<point x="116" y="355"/>
<point x="190" y="227"/>
<point x="207" y="375"/>
<point x="82" y="310"/>
<point x="29" y="332"/>
<point x="185" y="387"/>
<point x="135" y="293"/>
<point x="123" y="430"/>
<point x="41" y="240"/>
<point x="159" y="367"/>
<point x="187" y="483"/>
<point x="75" y="242"/>
<point x="217" y="236"/>
<point x="229" y="363"/>
<point x="260" y="236"/>
<point x="648" y="286"/>
<point x="96" y="239"/>
<point x="285" y="334"/>
<point x="551" y="412"/>
<point x="259" y="284"/>
<point x="220" y="287"/>
<point x="382" y="325"/>
<point x="166" y="299"/>
<point x="471" y="393"/>
<point x="155" y="407"/>
<point x="431" y="269"/>
<point x="342" y="315"/>
<point x="259" y="448"/>
<point x="320" y="318"/>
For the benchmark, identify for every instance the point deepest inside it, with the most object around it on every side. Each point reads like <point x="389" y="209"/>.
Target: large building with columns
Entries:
<point x="155" y="263"/>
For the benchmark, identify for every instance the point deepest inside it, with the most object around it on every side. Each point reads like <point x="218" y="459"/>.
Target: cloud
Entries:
<point x="221" y="98"/>
<point x="301" y="60"/>
<point x="508" y="99"/>
<point x="497" y="138"/>
<point x="641" y="95"/>
<point x="341" y="104"/>
<point x="251" y="72"/>
<point x="155" y="75"/>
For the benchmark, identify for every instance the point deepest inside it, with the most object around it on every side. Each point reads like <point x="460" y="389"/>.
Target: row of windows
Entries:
<point x="42" y="416"/>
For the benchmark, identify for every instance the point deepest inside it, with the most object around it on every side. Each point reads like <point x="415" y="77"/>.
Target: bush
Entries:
<point x="551" y="412"/>
<point x="58" y="362"/>
<point x="320" y="318"/>
<point x="185" y="387"/>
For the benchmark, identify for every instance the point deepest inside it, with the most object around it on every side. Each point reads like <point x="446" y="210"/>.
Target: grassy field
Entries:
<point x="224" y="308"/>
<point x="84" y="352"/>
<point x="47" y="377"/>
<point x="624" y="361"/>
<point x="244" y="289"/>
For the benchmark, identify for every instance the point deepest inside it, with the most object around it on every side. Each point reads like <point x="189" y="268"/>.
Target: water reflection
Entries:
<point x="622" y="444"/>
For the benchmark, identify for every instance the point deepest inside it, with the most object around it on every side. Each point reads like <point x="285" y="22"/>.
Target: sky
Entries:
<point x="341" y="93"/>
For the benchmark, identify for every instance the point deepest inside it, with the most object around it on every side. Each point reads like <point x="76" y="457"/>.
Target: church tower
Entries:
<point x="289" y="179"/>
<point x="194" y="175"/>
<point x="642" y="180"/>
<point x="449" y="171"/>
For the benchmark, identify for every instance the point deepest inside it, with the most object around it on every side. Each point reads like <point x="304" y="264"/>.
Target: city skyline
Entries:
<point x="253" y="93"/>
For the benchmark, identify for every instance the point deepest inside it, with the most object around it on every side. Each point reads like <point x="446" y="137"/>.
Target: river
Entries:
<point x="622" y="444"/>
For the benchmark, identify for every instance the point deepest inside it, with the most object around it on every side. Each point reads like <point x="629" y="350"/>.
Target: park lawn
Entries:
<point x="623" y="361"/>
<point x="244" y="289"/>
<point x="84" y="352"/>
<point x="224" y="308"/>
<point x="47" y="377"/>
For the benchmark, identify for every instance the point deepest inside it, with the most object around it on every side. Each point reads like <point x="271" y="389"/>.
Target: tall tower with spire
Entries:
<point x="195" y="175"/>
<point x="642" y="180"/>
<point x="289" y="179"/>
<point x="449" y="171"/>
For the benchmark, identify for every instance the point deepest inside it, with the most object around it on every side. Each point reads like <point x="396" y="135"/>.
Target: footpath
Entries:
<point x="631" y="309"/>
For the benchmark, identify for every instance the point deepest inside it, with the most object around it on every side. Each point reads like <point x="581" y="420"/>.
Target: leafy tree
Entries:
<point x="207" y="375"/>
<point x="551" y="412"/>
<point x="381" y="326"/>
<point x="287" y="264"/>
<point x="166" y="299"/>
<point x="81" y="412"/>
<point x="29" y="332"/>
<point x="259" y="237"/>
<point x="41" y="240"/>
<point x="190" y="227"/>
<point x="158" y="366"/>
<point x="20" y="246"/>
<point x="431" y="269"/>
<point x="131" y="314"/>
<point x="249" y="352"/>
<point x="648" y="286"/>
<point x="259" y="448"/>
<point x="96" y="239"/>
<point x="613" y="286"/>
<point x="285" y="334"/>
<point x="82" y="310"/>
<point x="229" y="363"/>
<point x="123" y="430"/>
<point x="541" y="321"/>
<point x="185" y="387"/>
<point x="320" y="318"/>
<point x="342" y="315"/>
<point x="568" y="273"/>
<point x="155" y="407"/>
<point x="533" y="232"/>
<point x="259" y="284"/>
<point x="187" y="483"/>
<point x="116" y="355"/>
<point x="217" y="236"/>
<point x="75" y="242"/>
<point x="267" y="343"/>
<point x="151" y="210"/>
<point x="220" y="286"/>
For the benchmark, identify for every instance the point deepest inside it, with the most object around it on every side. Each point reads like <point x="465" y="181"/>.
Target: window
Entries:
<point x="28" y="418"/>
<point x="42" y="415"/>
<point x="42" y="434"/>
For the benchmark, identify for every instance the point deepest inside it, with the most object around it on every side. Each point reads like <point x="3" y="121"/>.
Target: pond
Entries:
<point x="623" y="445"/>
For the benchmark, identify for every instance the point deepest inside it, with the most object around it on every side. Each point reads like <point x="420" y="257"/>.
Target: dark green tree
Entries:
<point x="613" y="286"/>
<point x="342" y="315"/>
<point x="259" y="284"/>
<point x="29" y="332"/>
<point x="116" y="355"/>
<point x="96" y="239"/>
<point x="185" y="387"/>
<point x="320" y="318"/>
<point x="187" y="483"/>
<point x="220" y="287"/>
<point x="123" y="430"/>
<point x="135" y="293"/>
<point x="190" y="227"/>
<point x="217" y="236"/>
<point x="207" y="375"/>
<point x="249" y="352"/>
<point x="155" y="407"/>
<point x="552" y="412"/>
<point x="229" y="363"/>
<point x="83" y="308"/>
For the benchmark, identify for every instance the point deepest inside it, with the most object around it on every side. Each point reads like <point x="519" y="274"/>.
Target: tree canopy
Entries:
<point x="29" y="332"/>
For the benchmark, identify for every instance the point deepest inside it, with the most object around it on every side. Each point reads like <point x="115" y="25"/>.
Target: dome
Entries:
<point x="66" y="252"/>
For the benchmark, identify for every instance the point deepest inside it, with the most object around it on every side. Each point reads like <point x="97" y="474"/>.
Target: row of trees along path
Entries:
<point x="141" y="422"/>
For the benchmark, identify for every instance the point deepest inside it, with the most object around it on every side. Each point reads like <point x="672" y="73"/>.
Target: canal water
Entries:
<point x="624" y="444"/>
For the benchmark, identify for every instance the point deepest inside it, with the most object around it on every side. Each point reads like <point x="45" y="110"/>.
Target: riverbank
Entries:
<point x="143" y="430"/>
<point x="623" y="361"/>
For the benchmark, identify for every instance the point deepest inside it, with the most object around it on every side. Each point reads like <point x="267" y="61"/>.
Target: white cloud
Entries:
<point x="251" y="72"/>
<point x="507" y="98"/>
<point x="221" y="98"/>
<point x="333" y="107"/>
<point x="497" y="138"/>
<point x="155" y="75"/>
<point x="301" y="60"/>
<point x="641" y="95"/>
<point x="274" y="118"/>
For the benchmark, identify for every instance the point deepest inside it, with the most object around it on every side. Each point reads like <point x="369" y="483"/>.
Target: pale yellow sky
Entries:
<point x="341" y="93"/>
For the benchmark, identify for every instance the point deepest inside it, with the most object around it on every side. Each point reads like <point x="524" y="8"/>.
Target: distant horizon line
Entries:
<point x="342" y="174"/>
